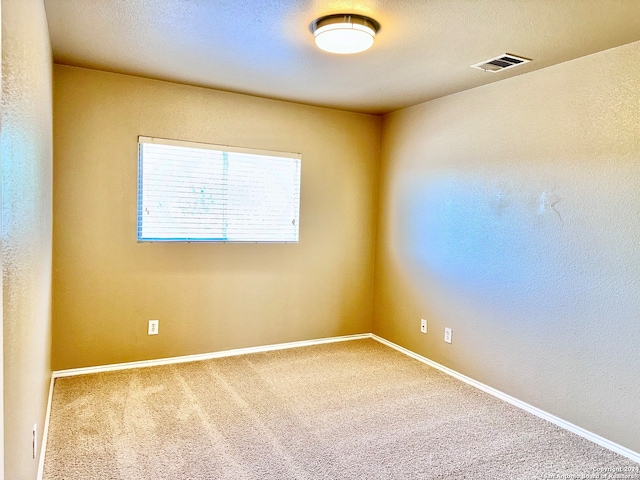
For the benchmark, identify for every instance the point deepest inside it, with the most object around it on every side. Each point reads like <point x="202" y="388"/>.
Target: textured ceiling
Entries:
<point x="264" y="47"/>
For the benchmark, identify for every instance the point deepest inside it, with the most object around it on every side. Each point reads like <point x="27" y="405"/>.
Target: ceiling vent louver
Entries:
<point x="500" y="63"/>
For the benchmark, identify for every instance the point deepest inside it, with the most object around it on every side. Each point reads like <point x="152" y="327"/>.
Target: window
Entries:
<point x="195" y="192"/>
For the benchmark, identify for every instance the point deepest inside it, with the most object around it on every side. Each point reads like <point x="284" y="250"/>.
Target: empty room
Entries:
<point x="320" y="240"/>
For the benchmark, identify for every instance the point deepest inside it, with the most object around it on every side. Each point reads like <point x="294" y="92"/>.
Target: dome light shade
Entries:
<point x="344" y="33"/>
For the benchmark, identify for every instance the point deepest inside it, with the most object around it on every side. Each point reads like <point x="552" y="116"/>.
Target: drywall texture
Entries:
<point x="26" y="227"/>
<point x="510" y="214"/>
<point x="208" y="297"/>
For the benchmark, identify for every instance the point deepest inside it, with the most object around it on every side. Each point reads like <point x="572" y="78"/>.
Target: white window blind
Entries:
<point x="193" y="192"/>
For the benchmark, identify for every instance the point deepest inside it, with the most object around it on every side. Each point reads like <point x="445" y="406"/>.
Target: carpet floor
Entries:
<point x="348" y="410"/>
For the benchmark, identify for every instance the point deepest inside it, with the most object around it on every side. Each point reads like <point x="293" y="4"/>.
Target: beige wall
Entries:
<point x="208" y="297"/>
<point x="26" y="228"/>
<point x="511" y="213"/>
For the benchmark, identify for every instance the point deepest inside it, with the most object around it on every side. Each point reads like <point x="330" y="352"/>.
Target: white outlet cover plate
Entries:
<point x="35" y="440"/>
<point x="423" y="325"/>
<point x="447" y="335"/>
<point x="153" y="327"/>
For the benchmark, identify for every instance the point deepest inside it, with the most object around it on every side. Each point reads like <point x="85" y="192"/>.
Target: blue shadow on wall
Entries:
<point x="478" y="239"/>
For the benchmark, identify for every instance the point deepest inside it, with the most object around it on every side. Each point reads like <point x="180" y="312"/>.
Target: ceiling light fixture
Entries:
<point x="344" y="33"/>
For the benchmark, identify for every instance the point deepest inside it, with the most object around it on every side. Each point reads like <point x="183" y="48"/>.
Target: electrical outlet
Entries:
<point x="34" y="440"/>
<point x="447" y="335"/>
<point x="423" y="325"/>
<point x="153" y="327"/>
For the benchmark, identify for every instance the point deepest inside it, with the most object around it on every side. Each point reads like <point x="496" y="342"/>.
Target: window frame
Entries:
<point x="224" y="149"/>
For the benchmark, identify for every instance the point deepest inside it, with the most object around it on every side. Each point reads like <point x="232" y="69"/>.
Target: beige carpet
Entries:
<point x="348" y="410"/>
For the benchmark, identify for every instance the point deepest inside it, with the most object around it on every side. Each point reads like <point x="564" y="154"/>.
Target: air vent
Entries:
<point x="498" y="64"/>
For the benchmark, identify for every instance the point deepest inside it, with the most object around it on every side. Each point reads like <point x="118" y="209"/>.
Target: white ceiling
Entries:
<point x="265" y="48"/>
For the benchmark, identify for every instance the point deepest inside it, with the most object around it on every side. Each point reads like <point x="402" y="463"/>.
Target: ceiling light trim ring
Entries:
<point x="354" y="18"/>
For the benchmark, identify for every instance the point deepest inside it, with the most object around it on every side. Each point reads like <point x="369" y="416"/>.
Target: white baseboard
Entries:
<point x="204" y="356"/>
<point x="603" y="442"/>
<point x="45" y="431"/>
